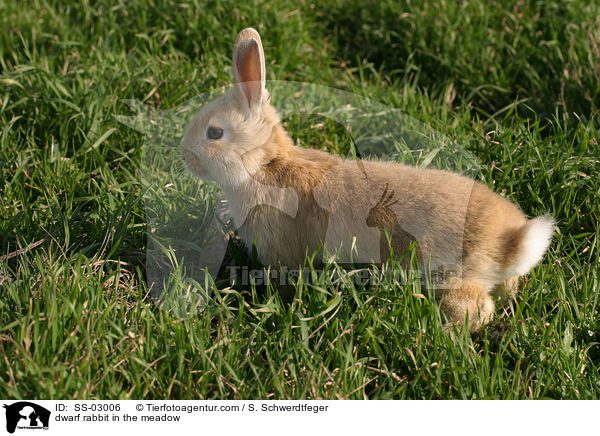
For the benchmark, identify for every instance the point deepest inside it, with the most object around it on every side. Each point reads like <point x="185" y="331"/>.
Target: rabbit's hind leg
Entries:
<point x="466" y="301"/>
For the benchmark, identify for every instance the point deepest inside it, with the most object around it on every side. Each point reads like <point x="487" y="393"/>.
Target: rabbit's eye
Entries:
<point x="214" y="133"/>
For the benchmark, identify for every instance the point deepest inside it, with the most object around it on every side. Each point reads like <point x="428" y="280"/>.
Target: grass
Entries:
<point x="516" y="83"/>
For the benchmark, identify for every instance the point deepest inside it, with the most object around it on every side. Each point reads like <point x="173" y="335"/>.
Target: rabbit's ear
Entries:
<point x="249" y="66"/>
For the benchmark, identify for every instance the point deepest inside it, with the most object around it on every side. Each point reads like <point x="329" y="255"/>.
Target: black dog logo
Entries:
<point x="30" y="413"/>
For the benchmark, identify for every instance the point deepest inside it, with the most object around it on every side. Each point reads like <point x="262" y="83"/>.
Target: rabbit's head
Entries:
<point x="230" y="138"/>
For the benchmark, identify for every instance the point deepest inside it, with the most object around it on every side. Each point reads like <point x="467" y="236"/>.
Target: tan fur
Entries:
<point x="290" y="200"/>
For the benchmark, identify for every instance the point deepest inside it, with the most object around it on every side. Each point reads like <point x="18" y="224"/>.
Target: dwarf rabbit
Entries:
<point x="290" y="201"/>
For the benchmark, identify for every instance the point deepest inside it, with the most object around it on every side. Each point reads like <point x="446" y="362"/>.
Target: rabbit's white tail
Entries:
<point x="528" y="245"/>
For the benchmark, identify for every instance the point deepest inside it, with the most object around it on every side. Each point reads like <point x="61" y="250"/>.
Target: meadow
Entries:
<point x="516" y="83"/>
